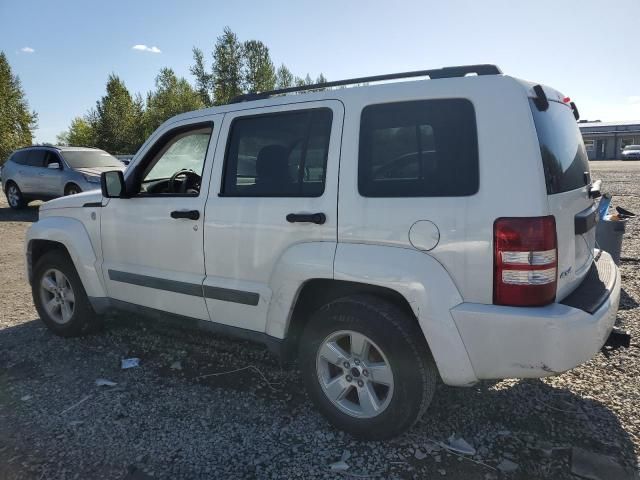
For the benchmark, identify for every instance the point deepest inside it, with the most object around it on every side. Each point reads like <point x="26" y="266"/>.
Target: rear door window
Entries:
<point x="564" y="157"/>
<point x="426" y="148"/>
<point x="278" y="154"/>
<point x="36" y="158"/>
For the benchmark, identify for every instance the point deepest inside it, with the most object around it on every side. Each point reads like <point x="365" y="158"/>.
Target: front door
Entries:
<point x="274" y="189"/>
<point x="152" y="242"/>
<point x="51" y="178"/>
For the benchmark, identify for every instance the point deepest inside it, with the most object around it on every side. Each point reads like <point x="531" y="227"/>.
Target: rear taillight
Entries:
<point x="525" y="261"/>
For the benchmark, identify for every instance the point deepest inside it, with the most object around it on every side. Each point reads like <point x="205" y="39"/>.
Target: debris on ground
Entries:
<point x="177" y="365"/>
<point x="340" y="466"/>
<point x="26" y="398"/>
<point x="130" y="363"/>
<point x="76" y="404"/>
<point x="595" y="466"/>
<point x="420" y="455"/>
<point x="459" y="445"/>
<point x="507" y="466"/>
<point x="103" y="382"/>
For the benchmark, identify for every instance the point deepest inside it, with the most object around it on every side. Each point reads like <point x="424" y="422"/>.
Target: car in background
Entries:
<point x="47" y="172"/>
<point x="631" y="152"/>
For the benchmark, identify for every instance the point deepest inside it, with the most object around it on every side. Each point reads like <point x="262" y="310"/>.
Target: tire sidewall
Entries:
<point x="80" y="322"/>
<point x="409" y="365"/>
<point x="20" y="202"/>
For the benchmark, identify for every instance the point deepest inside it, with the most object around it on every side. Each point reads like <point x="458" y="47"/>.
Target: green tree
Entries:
<point x="227" y="68"/>
<point x="204" y="79"/>
<point x="284" y="77"/>
<point x="118" y="119"/>
<point x="172" y="96"/>
<point x="259" y="72"/>
<point x="81" y="133"/>
<point x="17" y="122"/>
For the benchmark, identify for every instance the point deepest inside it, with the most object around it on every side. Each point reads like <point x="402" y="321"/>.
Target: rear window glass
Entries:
<point x="564" y="157"/>
<point x="20" y="157"/>
<point x="90" y="158"/>
<point x="426" y="148"/>
<point x="36" y="158"/>
<point x="278" y="154"/>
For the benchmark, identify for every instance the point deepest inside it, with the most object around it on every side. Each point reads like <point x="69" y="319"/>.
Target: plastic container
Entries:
<point x="609" y="237"/>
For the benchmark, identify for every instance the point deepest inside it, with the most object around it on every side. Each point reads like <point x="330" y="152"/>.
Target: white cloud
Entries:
<point x="633" y="99"/>
<point x="27" y="50"/>
<point x="145" y="48"/>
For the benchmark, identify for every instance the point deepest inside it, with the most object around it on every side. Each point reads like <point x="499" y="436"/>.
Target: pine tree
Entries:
<point x="118" y="119"/>
<point x="284" y="77"/>
<point x="227" y="68"/>
<point x="204" y="79"/>
<point x="259" y="72"/>
<point x="17" y="122"/>
<point x="171" y="96"/>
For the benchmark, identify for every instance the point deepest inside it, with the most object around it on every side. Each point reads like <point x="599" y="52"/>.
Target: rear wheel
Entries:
<point x="14" y="196"/>
<point x="72" y="189"/>
<point x="367" y="366"/>
<point x="60" y="298"/>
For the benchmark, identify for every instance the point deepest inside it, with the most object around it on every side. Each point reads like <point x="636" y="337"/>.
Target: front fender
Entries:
<point x="72" y="234"/>
<point x="428" y="289"/>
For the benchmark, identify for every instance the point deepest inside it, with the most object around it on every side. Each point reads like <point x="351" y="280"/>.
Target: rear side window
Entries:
<point x="20" y="157"/>
<point x="564" y="157"/>
<point x="36" y="158"/>
<point x="278" y="155"/>
<point x="426" y="148"/>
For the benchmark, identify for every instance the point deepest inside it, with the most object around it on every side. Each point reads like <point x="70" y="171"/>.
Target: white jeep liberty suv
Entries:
<point x="385" y="235"/>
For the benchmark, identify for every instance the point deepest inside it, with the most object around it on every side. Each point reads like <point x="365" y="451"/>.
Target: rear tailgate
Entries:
<point x="566" y="169"/>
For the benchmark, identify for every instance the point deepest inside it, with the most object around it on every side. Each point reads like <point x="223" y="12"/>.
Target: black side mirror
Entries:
<point x="112" y="184"/>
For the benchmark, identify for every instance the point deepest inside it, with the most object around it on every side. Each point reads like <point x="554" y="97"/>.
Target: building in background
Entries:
<point x="605" y="140"/>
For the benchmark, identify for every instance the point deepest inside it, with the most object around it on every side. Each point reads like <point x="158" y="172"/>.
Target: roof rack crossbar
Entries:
<point x="446" y="72"/>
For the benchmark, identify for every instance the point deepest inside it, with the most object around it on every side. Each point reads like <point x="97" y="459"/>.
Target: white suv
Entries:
<point x="384" y="235"/>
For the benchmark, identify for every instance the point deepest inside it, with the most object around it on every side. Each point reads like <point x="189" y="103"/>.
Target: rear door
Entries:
<point x="280" y="165"/>
<point x="32" y="172"/>
<point x="567" y="175"/>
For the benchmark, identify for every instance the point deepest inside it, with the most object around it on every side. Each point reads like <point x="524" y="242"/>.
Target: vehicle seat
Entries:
<point x="272" y="171"/>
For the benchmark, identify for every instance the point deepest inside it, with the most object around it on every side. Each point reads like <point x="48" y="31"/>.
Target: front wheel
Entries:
<point x="367" y="367"/>
<point x="60" y="298"/>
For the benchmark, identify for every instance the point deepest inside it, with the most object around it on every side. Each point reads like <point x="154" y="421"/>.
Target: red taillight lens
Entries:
<point x="525" y="261"/>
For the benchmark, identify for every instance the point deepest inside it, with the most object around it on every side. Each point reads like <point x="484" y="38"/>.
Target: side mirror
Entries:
<point x="112" y="184"/>
<point x="54" y="166"/>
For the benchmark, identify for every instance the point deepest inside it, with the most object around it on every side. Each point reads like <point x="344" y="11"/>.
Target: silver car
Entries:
<point x="631" y="152"/>
<point x="43" y="173"/>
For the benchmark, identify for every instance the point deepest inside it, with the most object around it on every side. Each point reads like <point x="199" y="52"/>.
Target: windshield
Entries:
<point x="90" y="158"/>
<point x="632" y="147"/>
<point x="564" y="157"/>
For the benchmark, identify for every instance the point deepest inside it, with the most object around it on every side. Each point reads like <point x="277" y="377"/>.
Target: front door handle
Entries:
<point x="317" y="218"/>
<point x="189" y="214"/>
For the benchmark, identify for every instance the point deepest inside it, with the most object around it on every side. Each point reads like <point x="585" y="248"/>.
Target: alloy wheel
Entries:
<point x="57" y="296"/>
<point x="354" y="374"/>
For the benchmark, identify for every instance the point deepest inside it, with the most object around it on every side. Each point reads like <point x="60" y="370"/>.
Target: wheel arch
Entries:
<point x="69" y="184"/>
<point x="70" y="236"/>
<point x="315" y="293"/>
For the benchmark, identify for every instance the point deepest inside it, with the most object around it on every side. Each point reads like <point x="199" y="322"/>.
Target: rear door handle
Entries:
<point x="189" y="214"/>
<point x="317" y="218"/>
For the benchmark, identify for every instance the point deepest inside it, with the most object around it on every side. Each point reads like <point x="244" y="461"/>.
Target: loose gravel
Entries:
<point x="170" y="418"/>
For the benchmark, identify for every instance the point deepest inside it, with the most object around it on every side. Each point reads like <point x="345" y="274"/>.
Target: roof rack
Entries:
<point x="446" y="72"/>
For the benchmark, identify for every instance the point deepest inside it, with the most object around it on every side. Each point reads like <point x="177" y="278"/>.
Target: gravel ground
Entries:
<point x="164" y="420"/>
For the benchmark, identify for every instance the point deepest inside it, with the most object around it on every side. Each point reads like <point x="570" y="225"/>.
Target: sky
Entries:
<point x="63" y="51"/>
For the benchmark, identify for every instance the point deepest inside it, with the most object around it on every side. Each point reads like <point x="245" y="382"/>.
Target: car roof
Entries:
<point x="60" y="148"/>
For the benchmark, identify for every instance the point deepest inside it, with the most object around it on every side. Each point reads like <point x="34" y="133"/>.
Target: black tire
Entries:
<point x="399" y="337"/>
<point x="20" y="202"/>
<point x="72" y="189"/>
<point x="83" y="320"/>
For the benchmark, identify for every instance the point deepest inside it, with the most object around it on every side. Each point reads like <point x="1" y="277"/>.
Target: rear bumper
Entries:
<point x="517" y="342"/>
